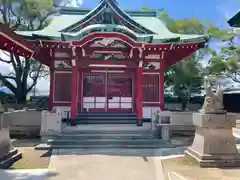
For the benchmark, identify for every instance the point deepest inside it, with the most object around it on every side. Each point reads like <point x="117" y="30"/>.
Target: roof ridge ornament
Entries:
<point x="107" y="1"/>
<point x="106" y="41"/>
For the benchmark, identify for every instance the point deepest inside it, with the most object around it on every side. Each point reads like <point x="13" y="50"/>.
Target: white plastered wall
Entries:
<point x="64" y="111"/>
<point x="148" y="111"/>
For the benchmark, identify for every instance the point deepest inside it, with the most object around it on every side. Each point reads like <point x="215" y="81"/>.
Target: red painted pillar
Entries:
<point x="139" y="95"/>
<point x="74" y="92"/>
<point x="135" y="91"/>
<point x="80" y="90"/>
<point x="51" y="89"/>
<point x="161" y="86"/>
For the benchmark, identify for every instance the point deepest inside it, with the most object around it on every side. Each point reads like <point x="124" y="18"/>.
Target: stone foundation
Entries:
<point x="8" y="154"/>
<point x="214" y="144"/>
<point x="51" y="125"/>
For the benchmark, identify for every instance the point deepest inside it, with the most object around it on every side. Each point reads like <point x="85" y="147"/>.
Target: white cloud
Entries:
<point x="74" y="3"/>
<point x="4" y="67"/>
<point x="228" y="8"/>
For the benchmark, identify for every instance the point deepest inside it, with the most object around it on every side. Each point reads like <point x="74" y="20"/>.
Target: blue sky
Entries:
<point x="217" y="11"/>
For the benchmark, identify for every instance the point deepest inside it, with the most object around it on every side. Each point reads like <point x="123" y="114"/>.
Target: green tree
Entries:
<point x="24" y="15"/>
<point x="145" y="8"/>
<point x="225" y="62"/>
<point x="186" y="76"/>
<point x="186" y="79"/>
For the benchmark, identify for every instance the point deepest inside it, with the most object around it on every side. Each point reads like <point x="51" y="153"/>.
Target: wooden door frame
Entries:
<point x="105" y="72"/>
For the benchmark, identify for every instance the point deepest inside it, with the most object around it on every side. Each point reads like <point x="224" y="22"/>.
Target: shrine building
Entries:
<point x="104" y="59"/>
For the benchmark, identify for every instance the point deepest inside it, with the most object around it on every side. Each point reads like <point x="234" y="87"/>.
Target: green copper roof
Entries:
<point x="110" y="28"/>
<point x="147" y="23"/>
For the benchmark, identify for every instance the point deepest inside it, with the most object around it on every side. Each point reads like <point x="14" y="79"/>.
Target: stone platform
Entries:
<point x="205" y="175"/>
<point x="214" y="144"/>
<point x="8" y="154"/>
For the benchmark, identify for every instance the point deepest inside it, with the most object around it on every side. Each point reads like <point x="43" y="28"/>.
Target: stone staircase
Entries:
<point x="9" y="159"/>
<point x="96" y="139"/>
<point x="105" y="118"/>
<point x="104" y="130"/>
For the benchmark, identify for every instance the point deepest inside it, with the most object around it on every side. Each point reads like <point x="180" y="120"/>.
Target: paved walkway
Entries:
<point x="107" y="164"/>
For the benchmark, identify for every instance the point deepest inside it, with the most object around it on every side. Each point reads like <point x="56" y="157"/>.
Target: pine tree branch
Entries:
<point x="44" y="19"/>
<point x="7" y="83"/>
<point x="18" y="61"/>
<point x="9" y="77"/>
<point x="35" y="78"/>
<point x="234" y="78"/>
<point x="17" y="24"/>
<point x="5" y="61"/>
<point x="25" y="74"/>
<point x="4" y="14"/>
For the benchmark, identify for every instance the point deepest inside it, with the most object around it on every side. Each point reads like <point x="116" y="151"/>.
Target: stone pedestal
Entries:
<point x="8" y="154"/>
<point x="214" y="144"/>
<point x="51" y="124"/>
<point x="5" y="142"/>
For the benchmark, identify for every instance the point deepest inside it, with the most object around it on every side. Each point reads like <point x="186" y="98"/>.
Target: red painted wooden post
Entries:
<point x="161" y="86"/>
<point x="74" y="92"/>
<point x="80" y="90"/>
<point x="139" y="94"/>
<point x="51" y="89"/>
<point x="134" y="92"/>
<point x="161" y="89"/>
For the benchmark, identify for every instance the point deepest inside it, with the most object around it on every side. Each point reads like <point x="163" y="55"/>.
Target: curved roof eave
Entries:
<point x="197" y="38"/>
<point x="40" y="34"/>
<point x="86" y="16"/>
<point x="203" y="38"/>
<point x="106" y="26"/>
<point x="162" y="32"/>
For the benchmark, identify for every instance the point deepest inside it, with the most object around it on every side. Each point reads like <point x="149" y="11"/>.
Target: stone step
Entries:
<point x="124" y="116"/>
<point x="84" y="121"/>
<point x="104" y="141"/>
<point x="236" y="131"/>
<point x="45" y="146"/>
<point x="10" y="154"/>
<point x="106" y="131"/>
<point x="98" y="114"/>
<point x="108" y="136"/>
<point x="10" y="160"/>
<point x="183" y="132"/>
<point x="105" y="118"/>
<point x="120" y="117"/>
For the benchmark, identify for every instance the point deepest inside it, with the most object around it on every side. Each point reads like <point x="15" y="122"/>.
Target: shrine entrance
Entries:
<point x="107" y="91"/>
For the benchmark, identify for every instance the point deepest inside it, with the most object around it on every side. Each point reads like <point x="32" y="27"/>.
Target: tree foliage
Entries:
<point x="187" y="26"/>
<point x="225" y="60"/>
<point x="24" y="15"/>
<point x="186" y="76"/>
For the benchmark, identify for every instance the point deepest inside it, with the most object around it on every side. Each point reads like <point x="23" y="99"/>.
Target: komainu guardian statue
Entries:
<point x="213" y="102"/>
